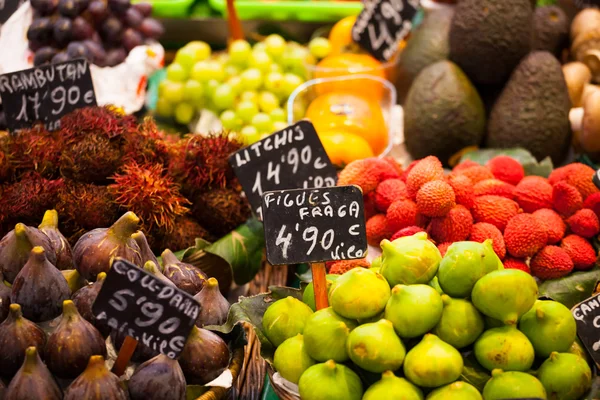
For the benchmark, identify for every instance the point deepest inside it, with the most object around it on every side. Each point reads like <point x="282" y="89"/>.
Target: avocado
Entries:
<point x="443" y="113"/>
<point x="532" y="111"/>
<point x="550" y="30"/>
<point x="488" y="38"/>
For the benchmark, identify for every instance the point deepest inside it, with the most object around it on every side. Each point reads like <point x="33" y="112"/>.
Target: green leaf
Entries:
<point x="529" y="162"/>
<point x="572" y="289"/>
<point x="473" y="372"/>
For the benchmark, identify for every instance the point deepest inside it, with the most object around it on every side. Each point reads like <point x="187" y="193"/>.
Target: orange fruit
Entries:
<point x="350" y="113"/>
<point x="340" y="35"/>
<point x="342" y="147"/>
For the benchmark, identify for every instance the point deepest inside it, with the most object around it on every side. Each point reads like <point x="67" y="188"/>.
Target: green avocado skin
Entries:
<point x="443" y="113"/>
<point x="532" y="111"/>
<point x="488" y="38"/>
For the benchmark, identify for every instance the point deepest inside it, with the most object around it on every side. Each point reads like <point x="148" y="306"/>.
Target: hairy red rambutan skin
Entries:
<point x="220" y="210"/>
<point x="5" y="167"/>
<point x="105" y="121"/>
<point x="35" y="149"/>
<point x="151" y="194"/>
<point x="93" y="159"/>
<point x="146" y="145"/>
<point x="183" y="235"/>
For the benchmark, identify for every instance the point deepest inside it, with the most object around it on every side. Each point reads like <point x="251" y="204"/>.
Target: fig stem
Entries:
<point x="31" y="359"/>
<point x="125" y="226"/>
<point x="319" y="274"/>
<point x="50" y="220"/>
<point x="168" y="257"/>
<point x="22" y="239"/>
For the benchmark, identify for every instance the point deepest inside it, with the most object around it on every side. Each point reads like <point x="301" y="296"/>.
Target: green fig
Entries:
<point x="375" y="347"/>
<point x="391" y="387"/>
<point x="513" y="385"/>
<point x="505" y="294"/>
<point x="359" y="293"/>
<point x="550" y="327"/>
<point x="504" y="348"/>
<point x="409" y="260"/>
<point x="464" y="264"/>
<point x="565" y="376"/>
<point x="62" y="248"/>
<point x="435" y="283"/>
<point x="414" y="309"/>
<point x="433" y="363"/>
<point x="376" y="264"/>
<point x="308" y="296"/>
<point x="455" y="391"/>
<point x="578" y="349"/>
<point x="460" y="324"/>
<point x="33" y="381"/>
<point x="326" y="334"/>
<point x="96" y="382"/>
<point x="329" y="381"/>
<point x="291" y="359"/>
<point x="284" y="319"/>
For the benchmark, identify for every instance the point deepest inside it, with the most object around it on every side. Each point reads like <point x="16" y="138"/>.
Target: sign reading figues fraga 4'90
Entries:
<point x="140" y="305"/>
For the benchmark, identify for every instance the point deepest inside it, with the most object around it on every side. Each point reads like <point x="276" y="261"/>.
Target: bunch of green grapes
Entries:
<point x="247" y="86"/>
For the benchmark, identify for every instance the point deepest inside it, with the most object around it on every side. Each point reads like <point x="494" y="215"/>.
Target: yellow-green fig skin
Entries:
<point x="460" y="324"/>
<point x="513" y="385"/>
<point x="505" y="294"/>
<point x="504" y="348"/>
<point x="376" y="264"/>
<point x="330" y="381"/>
<point x="550" y="327"/>
<point x="577" y="349"/>
<point x="391" y="387"/>
<point x="409" y="260"/>
<point x="455" y="391"/>
<point x="326" y="334"/>
<point x="359" y="293"/>
<point x="284" y="319"/>
<point x="308" y="296"/>
<point x="291" y="359"/>
<point x="375" y="347"/>
<point x="565" y="376"/>
<point x="414" y="309"/>
<point x="463" y="265"/>
<point x="433" y="363"/>
<point x="435" y="283"/>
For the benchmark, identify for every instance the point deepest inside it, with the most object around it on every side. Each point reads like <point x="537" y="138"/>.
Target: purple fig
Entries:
<point x="16" y="246"/>
<point x="4" y="299"/>
<point x="214" y="308"/>
<point x="145" y="251"/>
<point x="74" y="279"/>
<point x="62" y="248"/>
<point x="142" y="352"/>
<point x="96" y="383"/>
<point x="204" y="357"/>
<point x="84" y="299"/>
<point x="71" y="345"/>
<point x="185" y="276"/>
<point x="160" y="378"/>
<point x="33" y="381"/>
<point x="2" y="389"/>
<point x="17" y="334"/>
<point x="152" y="268"/>
<point x="40" y="288"/>
<point x="94" y="252"/>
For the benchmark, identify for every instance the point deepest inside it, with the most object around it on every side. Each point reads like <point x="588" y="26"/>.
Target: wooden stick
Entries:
<point x="235" y="26"/>
<point x="124" y="356"/>
<point x="320" y="284"/>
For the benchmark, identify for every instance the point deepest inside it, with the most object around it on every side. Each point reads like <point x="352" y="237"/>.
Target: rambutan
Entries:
<point x="516" y="263"/>
<point x="146" y="145"/>
<point x="5" y="167"/>
<point x="443" y="247"/>
<point x="35" y="149"/>
<point x="104" y="121"/>
<point x="593" y="203"/>
<point x="366" y="173"/>
<point x="495" y="210"/>
<point x="182" y="236"/>
<point x="553" y="223"/>
<point x="494" y="187"/>
<point x="453" y="227"/>
<point x="464" y="165"/>
<point x="463" y="189"/>
<point x="506" y="169"/>
<point x="426" y="170"/>
<point x="578" y="175"/>
<point x="93" y="159"/>
<point x="435" y="199"/>
<point x="221" y="210"/>
<point x="476" y="173"/>
<point x="524" y="236"/>
<point x="551" y="262"/>
<point x="408" y="231"/>
<point x="533" y="193"/>
<point x="343" y="266"/>
<point x="581" y="252"/>
<point x="584" y="223"/>
<point x="566" y="199"/>
<point x="400" y="214"/>
<point x="389" y="191"/>
<point x="151" y="194"/>
<point x="377" y="228"/>
<point x="482" y="231"/>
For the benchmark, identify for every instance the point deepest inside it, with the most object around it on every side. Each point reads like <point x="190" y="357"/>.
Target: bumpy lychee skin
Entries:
<point x="566" y="199"/>
<point x="366" y="173"/>
<point x="394" y="172"/>
<point x="593" y="203"/>
<point x="408" y="231"/>
<point x="426" y="170"/>
<point x="516" y="263"/>
<point x="553" y="223"/>
<point x="435" y="199"/>
<point x="404" y="175"/>
<point x="524" y="236"/>
<point x="463" y="189"/>
<point x="400" y="214"/>
<point x="377" y="229"/>
<point x="464" y="165"/>
<point x="533" y="193"/>
<point x="578" y="175"/>
<point x="443" y="247"/>
<point x="506" y="169"/>
<point x="581" y="252"/>
<point x="584" y="223"/>
<point x="369" y="205"/>
<point x="453" y="227"/>
<point x="483" y="231"/>
<point x="495" y="210"/>
<point x="343" y="266"/>
<point x="494" y="187"/>
<point x="389" y="191"/>
<point x="551" y="262"/>
<point x="476" y="173"/>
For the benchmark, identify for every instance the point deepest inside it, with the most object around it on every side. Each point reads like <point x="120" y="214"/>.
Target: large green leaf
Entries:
<point x="473" y="372"/>
<point x="571" y="289"/>
<point x="529" y="162"/>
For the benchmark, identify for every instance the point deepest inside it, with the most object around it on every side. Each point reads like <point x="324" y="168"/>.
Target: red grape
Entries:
<point x="68" y="8"/>
<point x="98" y="10"/>
<point x="152" y="28"/>
<point x="119" y="6"/>
<point x="44" y="7"/>
<point x="63" y="31"/>
<point x="133" y="17"/>
<point x="44" y="55"/>
<point x="96" y="52"/>
<point x="77" y="50"/>
<point x="115" y="57"/>
<point x="144" y="8"/>
<point x="60" y="57"/>
<point x="111" y="29"/>
<point x="82" y="29"/>
<point x="40" y="31"/>
<point x="132" y="38"/>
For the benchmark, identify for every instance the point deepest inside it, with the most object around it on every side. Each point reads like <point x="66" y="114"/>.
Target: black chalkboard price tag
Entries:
<point x="382" y="24"/>
<point x="288" y="159"/>
<point x="44" y="94"/>
<point x="587" y="317"/>
<point x="596" y="179"/>
<point x="8" y="8"/>
<point x="146" y="309"/>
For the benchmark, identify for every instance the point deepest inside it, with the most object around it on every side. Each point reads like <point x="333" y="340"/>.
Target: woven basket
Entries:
<point x="219" y="393"/>
<point x="282" y="394"/>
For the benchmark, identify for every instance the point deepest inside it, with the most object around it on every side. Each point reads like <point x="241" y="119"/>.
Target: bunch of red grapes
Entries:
<point x="102" y="31"/>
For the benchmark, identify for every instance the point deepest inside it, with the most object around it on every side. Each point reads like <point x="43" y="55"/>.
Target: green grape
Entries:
<point x="294" y="58"/>
<point x="184" y="112"/>
<point x="239" y="52"/>
<point x="250" y="134"/>
<point x="161" y="86"/>
<point x="193" y="91"/>
<point x="204" y="71"/>
<point x="210" y="87"/>
<point x="319" y="47"/>
<point x="273" y="81"/>
<point x="223" y="97"/>
<point x="173" y="92"/>
<point x="262" y="122"/>
<point x="230" y="121"/>
<point x="245" y="110"/>
<point x="277" y="115"/>
<point x="249" y="95"/>
<point x="222" y="58"/>
<point x="164" y="108"/>
<point x="261" y="61"/>
<point x="176" y="72"/>
<point x="290" y="83"/>
<point x="275" y="45"/>
<point x="251" y="79"/>
<point x="275" y="68"/>
<point x="279" y="126"/>
<point x="186" y="57"/>
<point x="231" y="71"/>
<point x="201" y="49"/>
<point x="260" y="46"/>
<point x="236" y="84"/>
<point x="267" y="101"/>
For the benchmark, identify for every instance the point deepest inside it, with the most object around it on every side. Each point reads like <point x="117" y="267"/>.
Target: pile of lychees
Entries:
<point x="542" y="226"/>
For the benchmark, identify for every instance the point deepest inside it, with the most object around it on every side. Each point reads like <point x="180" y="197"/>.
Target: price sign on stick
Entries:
<point x="288" y="159"/>
<point x="44" y="94"/>
<point x="146" y="309"/>
<point x="314" y="226"/>
<point x="382" y="24"/>
<point x="587" y="317"/>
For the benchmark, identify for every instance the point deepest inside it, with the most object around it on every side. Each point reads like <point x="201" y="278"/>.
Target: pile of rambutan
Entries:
<point x="543" y="226"/>
<point x="101" y="163"/>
